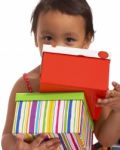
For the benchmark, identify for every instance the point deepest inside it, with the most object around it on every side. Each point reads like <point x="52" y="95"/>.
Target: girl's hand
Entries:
<point x="112" y="98"/>
<point x="38" y="144"/>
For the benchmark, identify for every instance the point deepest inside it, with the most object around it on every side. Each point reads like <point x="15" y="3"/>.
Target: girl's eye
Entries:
<point x="47" y="39"/>
<point x="70" y="39"/>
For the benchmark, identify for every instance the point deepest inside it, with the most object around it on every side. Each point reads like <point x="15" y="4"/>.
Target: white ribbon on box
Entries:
<point x="75" y="51"/>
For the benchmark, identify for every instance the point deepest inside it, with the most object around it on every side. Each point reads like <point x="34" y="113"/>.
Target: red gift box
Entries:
<point x="66" y="69"/>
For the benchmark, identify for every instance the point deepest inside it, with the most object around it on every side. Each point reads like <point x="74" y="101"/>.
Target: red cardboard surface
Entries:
<point x="65" y="73"/>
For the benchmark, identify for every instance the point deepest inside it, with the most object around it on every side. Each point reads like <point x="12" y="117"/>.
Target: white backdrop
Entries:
<point x="18" y="53"/>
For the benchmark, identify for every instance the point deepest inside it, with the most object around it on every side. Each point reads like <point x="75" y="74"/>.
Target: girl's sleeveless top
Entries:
<point x="27" y="82"/>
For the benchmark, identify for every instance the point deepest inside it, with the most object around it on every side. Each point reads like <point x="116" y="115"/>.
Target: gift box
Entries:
<point x="62" y="115"/>
<point x="66" y="69"/>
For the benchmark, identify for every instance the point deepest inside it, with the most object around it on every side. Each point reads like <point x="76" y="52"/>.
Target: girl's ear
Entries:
<point x="87" y="41"/>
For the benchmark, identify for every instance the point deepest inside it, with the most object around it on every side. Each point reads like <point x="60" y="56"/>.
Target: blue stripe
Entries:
<point x="69" y="116"/>
<point x="18" y="117"/>
<point x="62" y="142"/>
<point x="37" y="117"/>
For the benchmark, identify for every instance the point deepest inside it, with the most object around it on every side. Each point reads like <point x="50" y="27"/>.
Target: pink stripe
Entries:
<point x="70" y="140"/>
<point x="57" y="117"/>
<point x="77" y="148"/>
<point x="76" y="140"/>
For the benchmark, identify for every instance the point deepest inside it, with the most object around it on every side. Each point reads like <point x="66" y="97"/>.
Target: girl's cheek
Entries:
<point x="40" y="46"/>
<point x="40" y="52"/>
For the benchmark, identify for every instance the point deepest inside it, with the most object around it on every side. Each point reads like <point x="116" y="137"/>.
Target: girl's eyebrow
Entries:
<point x="45" y="32"/>
<point x="71" y="34"/>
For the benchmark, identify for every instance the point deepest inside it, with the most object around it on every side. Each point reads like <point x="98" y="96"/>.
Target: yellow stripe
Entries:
<point x="28" y="117"/>
<point x="48" y="117"/>
<point x="79" y="141"/>
<point x="77" y="114"/>
<point x="83" y="125"/>
<point x="85" y="121"/>
<point x="52" y="104"/>
<point x="15" y="118"/>
<point x="50" y="114"/>
<point x="79" y="110"/>
<point x="23" y="111"/>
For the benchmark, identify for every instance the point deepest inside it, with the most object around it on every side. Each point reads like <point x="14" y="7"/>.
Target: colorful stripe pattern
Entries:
<point x="66" y="119"/>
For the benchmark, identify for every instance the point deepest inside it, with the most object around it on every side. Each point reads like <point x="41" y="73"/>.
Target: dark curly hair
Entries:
<point x="70" y="7"/>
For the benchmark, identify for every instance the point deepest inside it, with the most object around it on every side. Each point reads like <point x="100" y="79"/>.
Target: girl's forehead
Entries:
<point x="56" y="20"/>
<point x="56" y="14"/>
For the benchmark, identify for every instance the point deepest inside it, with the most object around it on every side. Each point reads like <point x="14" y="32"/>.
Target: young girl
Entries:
<point x="66" y="23"/>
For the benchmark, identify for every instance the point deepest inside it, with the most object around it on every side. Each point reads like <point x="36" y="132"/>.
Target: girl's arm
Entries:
<point x="8" y="140"/>
<point x="107" y="128"/>
<point x="11" y="142"/>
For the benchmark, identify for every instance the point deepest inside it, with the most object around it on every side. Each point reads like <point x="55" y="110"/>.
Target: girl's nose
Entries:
<point x="59" y="42"/>
<point x="54" y="43"/>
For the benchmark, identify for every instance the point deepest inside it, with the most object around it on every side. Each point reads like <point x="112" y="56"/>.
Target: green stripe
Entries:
<point x="90" y="118"/>
<point x="44" y="121"/>
<point x="64" y="137"/>
<point x="66" y="116"/>
<point x="49" y="96"/>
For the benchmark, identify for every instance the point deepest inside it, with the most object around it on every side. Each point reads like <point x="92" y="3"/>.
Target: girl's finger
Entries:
<point x="54" y="147"/>
<point x="38" y="140"/>
<point x="116" y="86"/>
<point x="108" y="101"/>
<point x="112" y="93"/>
<point x="20" y="136"/>
<point x="103" y="104"/>
<point x="51" y="143"/>
<point x="20" y="144"/>
<point x="102" y="101"/>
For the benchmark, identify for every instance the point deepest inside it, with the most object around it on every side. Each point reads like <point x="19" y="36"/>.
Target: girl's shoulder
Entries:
<point x="33" y="79"/>
<point x="20" y="87"/>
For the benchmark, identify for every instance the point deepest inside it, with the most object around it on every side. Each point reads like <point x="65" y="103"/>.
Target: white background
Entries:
<point x="18" y="53"/>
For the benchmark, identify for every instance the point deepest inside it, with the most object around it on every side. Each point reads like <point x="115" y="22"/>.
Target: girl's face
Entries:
<point x="56" y="28"/>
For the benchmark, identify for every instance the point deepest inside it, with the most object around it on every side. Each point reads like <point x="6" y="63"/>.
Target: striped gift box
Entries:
<point x="63" y="115"/>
